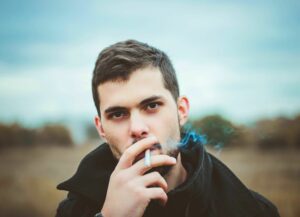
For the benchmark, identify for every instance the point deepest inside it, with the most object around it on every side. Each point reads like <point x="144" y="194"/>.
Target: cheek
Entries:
<point x="170" y="120"/>
<point x="117" y="137"/>
<point x="166" y="127"/>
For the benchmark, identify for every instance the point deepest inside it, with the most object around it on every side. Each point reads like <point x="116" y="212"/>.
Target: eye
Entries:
<point x="117" y="115"/>
<point x="153" y="106"/>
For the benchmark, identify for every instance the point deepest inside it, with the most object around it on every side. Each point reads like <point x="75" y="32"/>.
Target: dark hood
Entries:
<point x="92" y="176"/>
<point x="210" y="188"/>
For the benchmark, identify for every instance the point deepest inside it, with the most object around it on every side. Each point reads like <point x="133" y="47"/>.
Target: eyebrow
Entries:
<point x="142" y="103"/>
<point x="114" y="109"/>
<point x="150" y="99"/>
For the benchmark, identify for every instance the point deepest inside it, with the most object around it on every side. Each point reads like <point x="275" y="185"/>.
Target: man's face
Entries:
<point x="140" y="107"/>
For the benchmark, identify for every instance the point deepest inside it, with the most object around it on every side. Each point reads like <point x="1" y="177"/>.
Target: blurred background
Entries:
<point x="237" y="61"/>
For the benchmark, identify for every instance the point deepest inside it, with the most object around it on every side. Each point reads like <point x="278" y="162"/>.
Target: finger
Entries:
<point x="156" y="161"/>
<point x="134" y="150"/>
<point x="157" y="193"/>
<point x="154" y="179"/>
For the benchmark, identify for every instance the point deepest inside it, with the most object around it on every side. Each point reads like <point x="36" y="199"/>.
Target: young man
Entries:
<point x="145" y="168"/>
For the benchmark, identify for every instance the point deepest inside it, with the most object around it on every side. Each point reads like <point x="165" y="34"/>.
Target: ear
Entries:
<point x="99" y="126"/>
<point x="183" y="106"/>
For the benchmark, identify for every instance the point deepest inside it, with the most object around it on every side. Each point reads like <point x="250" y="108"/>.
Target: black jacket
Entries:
<point x="211" y="189"/>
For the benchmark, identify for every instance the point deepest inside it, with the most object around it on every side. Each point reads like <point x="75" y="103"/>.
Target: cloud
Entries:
<point x="237" y="58"/>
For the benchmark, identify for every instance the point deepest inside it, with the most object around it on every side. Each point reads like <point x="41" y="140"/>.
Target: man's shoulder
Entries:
<point x="239" y="197"/>
<point x="91" y="178"/>
<point x="267" y="205"/>
<point x="100" y="153"/>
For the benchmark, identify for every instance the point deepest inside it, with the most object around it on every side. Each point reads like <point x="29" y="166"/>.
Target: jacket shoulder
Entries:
<point x="92" y="176"/>
<point x="268" y="207"/>
<point x="75" y="205"/>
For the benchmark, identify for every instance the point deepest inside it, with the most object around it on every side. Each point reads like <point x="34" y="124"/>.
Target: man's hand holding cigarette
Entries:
<point x="130" y="190"/>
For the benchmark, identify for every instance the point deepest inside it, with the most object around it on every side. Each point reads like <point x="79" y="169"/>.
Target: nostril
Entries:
<point x="138" y="134"/>
<point x="138" y="138"/>
<point x="144" y="134"/>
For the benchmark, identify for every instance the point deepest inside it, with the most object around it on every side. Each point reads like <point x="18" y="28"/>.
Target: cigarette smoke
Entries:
<point x="190" y="134"/>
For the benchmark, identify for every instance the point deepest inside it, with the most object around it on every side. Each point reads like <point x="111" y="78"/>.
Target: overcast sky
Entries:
<point x="240" y="59"/>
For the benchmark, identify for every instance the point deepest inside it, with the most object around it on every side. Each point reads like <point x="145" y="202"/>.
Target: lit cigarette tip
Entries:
<point x="148" y="158"/>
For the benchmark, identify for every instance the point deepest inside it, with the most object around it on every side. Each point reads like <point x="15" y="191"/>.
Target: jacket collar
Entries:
<point x="92" y="176"/>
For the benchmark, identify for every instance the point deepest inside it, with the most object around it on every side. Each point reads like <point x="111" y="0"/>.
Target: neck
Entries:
<point x="177" y="175"/>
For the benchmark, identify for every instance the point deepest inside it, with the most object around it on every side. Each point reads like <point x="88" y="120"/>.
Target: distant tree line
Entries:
<point x="12" y="135"/>
<point x="277" y="133"/>
<point x="267" y="134"/>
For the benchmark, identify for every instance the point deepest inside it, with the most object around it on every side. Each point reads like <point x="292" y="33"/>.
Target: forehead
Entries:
<point x="142" y="83"/>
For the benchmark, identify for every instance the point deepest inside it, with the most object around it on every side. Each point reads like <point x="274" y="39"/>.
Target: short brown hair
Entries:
<point x="119" y="60"/>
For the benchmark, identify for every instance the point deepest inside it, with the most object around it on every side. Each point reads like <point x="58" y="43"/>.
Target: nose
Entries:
<point x="138" y="126"/>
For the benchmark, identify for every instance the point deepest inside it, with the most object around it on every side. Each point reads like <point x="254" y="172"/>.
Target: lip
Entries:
<point x="142" y="155"/>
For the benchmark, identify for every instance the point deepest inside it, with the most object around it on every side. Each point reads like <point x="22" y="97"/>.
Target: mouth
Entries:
<point x="142" y="155"/>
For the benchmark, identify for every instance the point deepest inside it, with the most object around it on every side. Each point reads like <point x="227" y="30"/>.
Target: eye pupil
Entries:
<point x="152" y="105"/>
<point x="118" y="114"/>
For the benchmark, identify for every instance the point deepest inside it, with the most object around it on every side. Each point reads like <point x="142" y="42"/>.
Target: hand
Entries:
<point x="130" y="189"/>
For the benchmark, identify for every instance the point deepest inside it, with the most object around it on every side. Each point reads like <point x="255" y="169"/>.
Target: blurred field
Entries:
<point x="28" y="177"/>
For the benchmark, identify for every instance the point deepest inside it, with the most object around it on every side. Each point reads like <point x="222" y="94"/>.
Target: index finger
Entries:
<point x="134" y="150"/>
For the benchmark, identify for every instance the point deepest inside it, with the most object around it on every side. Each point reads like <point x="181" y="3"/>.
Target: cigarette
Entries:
<point x="148" y="158"/>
